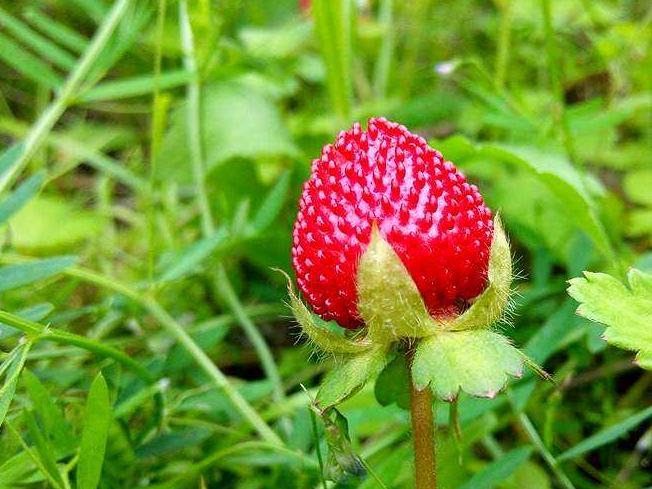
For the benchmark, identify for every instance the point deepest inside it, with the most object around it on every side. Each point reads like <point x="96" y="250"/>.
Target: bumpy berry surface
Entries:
<point x="436" y="222"/>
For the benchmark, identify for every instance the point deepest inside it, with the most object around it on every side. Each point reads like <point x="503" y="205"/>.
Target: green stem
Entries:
<point x="383" y="63"/>
<point x="532" y="433"/>
<point x="41" y="332"/>
<point x="504" y="36"/>
<point x="49" y="117"/>
<point x="194" y="126"/>
<point x="222" y="283"/>
<point x="555" y="80"/>
<point x="423" y="434"/>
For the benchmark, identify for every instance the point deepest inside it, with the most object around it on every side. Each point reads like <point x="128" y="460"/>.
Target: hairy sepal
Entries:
<point x="388" y="299"/>
<point x="350" y="374"/>
<point x="477" y="362"/>
<point x="490" y="305"/>
<point x="318" y="335"/>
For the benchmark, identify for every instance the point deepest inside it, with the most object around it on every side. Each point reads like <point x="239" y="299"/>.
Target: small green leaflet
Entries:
<point x="12" y="276"/>
<point x="348" y="376"/>
<point x="25" y="191"/>
<point x="13" y="367"/>
<point x="626" y="311"/>
<point x="96" y="428"/>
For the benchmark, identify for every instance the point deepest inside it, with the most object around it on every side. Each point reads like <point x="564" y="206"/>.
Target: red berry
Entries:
<point x="436" y="222"/>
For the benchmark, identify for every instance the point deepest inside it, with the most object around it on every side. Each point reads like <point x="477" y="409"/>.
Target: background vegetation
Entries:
<point x="154" y="153"/>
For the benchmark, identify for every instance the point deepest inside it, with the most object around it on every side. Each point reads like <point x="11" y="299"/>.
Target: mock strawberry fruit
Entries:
<point x="434" y="220"/>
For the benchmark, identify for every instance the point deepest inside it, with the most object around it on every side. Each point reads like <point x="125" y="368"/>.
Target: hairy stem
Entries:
<point x="423" y="434"/>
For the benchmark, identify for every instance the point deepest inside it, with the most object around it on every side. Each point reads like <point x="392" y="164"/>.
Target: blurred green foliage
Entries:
<point x="153" y="152"/>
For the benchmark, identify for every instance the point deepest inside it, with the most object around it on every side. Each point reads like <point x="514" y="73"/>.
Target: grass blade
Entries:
<point x="61" y="33"/>
<point x="11" y="380"/>
<point x="28" y="189"/>
<point x="498" y="471"/>
<point x="334" y="26"/>
<point x="94" y="436"/>
<point x="39" y="44"/>
<point x="12" y="276"/>
<point x="136" y="86"/>
<point x="606" y="435"/>
<point x="26" y="63"/>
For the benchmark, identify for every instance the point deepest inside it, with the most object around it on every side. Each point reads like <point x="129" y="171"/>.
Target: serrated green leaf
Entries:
<point x="393" y="383"/>
<point x="349" y="375"/>
<point x="627" y="312"/>
<point x="94" y="436"/>
<point x="12" y="276"/>
<point x="477" y="362"/>
<point x="388" y="299"/>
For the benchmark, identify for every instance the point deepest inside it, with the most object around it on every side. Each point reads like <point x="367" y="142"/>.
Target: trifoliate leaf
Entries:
<point x="627" y="312"/>
<point x="490" y="305"/>
<point x="350" y="375"/>
<point x="388" y="299"/>
<point x="475" y="361"/>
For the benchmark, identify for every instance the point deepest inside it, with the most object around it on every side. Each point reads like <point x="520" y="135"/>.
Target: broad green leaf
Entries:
<point x="12" y="276"/>
<point x="52" y="421"/>
<point x="626" y="311"/>
<point x="349" y="375"/>
<point x="393" y="383"/>
<point x="93" y="441"/>
<point x="565" y="183"/>
<point x="19" y="197"/>
<point x="477" y="362"/>
<point x="13" y="370"/>
<point x="637" y="185"/>
<point x="50" y="223"/>
<point x="45" y="452"/>
<point x="235" y="121"/>
<point x="187" y="260"/>
<point x="498" y="471"/>
<point x="271" y="206"/>
<point x="606" y="435"/>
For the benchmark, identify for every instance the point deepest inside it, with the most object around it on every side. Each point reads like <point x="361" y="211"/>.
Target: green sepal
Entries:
<point x="388" y="299"/>
<point x="393" y="383"/>
<point x="489" y="306"/>
<point x="318" y="335"/>
<point x="477" y="362"/>
<point x="349" y="375"/>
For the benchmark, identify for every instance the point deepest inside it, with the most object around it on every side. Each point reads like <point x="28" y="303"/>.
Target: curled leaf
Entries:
<point x="489" y="306"/>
